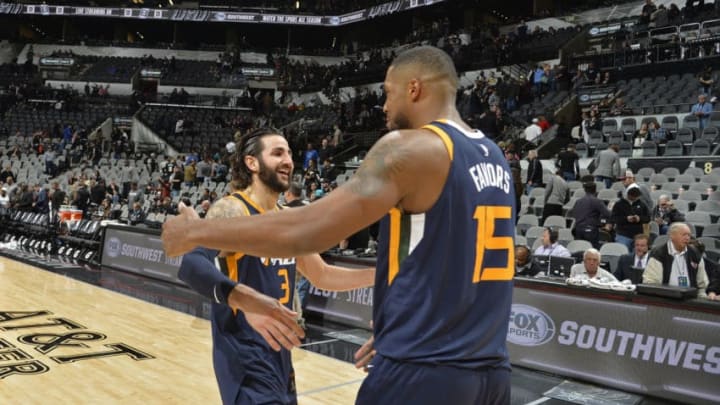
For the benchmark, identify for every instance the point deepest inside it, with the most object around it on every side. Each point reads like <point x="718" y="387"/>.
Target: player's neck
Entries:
<point x="261" y="195"/>
<point x="434" y="113"/>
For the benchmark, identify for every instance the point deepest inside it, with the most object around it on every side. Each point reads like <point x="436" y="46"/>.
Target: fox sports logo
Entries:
<point x="112" y="247"/>
<point x="529" y="326"/>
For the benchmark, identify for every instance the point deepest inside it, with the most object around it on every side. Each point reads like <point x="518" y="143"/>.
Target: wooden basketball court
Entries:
<point x="65" y="341"/>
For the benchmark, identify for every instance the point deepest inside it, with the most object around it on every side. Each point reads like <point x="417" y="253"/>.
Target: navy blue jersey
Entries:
<point x="241" y="356"/>
<point x="443" y="286"/>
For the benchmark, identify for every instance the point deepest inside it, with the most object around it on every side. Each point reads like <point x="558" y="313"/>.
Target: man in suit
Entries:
<point x="637" y="259"/>
<point x="607" y="165"/>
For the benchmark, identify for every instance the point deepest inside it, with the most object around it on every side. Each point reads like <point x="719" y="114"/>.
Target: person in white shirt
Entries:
<point x="590" y="267"/>
<point x="676" y="263"/>
<point x="550" y="245"/>
<point x="533" y="131"/>
<point x="4" y="198"/>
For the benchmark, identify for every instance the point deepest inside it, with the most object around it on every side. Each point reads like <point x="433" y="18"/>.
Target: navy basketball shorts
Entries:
<point x="392" y="382"/>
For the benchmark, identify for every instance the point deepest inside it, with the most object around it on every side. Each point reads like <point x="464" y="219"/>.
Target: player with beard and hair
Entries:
<point x="250" y="357"/>
<point x="445" y="260"/>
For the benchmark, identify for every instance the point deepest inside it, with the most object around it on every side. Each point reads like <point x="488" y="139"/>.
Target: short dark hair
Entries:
<point x="590" y="187"/>
<point x="295" y="189"/>
<point x="634" y="192"/>
<point x="250" y="145"/>
<point x="431" y="60"/>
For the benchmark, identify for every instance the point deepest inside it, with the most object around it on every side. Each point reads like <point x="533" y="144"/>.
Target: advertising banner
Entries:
<point x="352" y="307"/>
<point x="388" y="8"/>
<point x="130" y="249"/>
<point x="654" y="350"/>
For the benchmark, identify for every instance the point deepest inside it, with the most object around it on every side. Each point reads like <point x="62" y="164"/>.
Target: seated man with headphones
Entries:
<point x="550" y="245"/>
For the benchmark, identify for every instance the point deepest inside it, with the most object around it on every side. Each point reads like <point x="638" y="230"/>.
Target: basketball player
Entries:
<point x="250" y="366"/>
<point x="445" y="261"/>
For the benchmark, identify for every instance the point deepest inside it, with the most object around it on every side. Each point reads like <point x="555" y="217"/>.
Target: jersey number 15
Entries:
<point x="486" y="217"/>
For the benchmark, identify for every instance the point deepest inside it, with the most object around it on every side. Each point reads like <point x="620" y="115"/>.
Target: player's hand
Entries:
<point x="365" y="354"/>
<point x="272" y="320"/>
<point x="175" y="230"/>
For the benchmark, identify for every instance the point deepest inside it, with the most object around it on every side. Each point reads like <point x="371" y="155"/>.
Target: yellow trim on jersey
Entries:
<point x="249" y="200"/>
<point x="394" y="248"/>
<point x="232" y="265"/>
<point x="444" y="136"/>
<point x="252" y="203"/>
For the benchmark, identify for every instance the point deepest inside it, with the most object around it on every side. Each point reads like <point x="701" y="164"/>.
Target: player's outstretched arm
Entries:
<point x="391" y="168"/>
<point x="334" y="278"/>
<point x="405" y="169"/>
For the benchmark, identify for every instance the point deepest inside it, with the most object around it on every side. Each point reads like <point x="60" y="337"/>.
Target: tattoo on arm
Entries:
<point x="226" y="208"/>
<point x="386" y="159"/>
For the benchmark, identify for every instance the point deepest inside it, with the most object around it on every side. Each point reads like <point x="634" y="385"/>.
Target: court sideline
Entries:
<point x="62" y="340"/>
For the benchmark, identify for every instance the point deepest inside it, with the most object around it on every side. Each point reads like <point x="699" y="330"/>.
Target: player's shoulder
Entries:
<point x="228" y="207"/>
<point x="412" y="141"/>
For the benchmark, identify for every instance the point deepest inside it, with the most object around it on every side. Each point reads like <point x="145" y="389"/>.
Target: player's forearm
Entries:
<point x="336" y="278"/>
<point x="287" y="233"/>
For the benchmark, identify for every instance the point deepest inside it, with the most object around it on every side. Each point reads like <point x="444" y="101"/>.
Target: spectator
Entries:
<point x="82" y="197"/>
<point x="619" y="108"/>
<point x="629" y="182"/>
<point x="637" y="259"/>
<point x="568" y="162"/>
<point x="557" y="193"/>
<point x="524" y="265"/>
<point x="712" y="269"/>
<point x="550" y="245"/>
<point x="533" y="131"/>
<point x="328" y="170"/>
<point x="657" y="133"/>
<point x="641" y="135"/>
<point x="590" y="214"/>
<point x="590" y="267"/>
<point x="629" y="214"/>
<point x="534" y="173"/>
<point x="128" y="175"/>
<point x="647" y="10"/>
<point x="677" y="263"/>
<point x="310" y="155"/>
<point x="4" y="198"/>
<point x="706" y="81"/>
<point x="136" y="215"/>
<point x="57" y="196"/>
<point x="135" y="195"/>
<point x="665" y="213"/>
<point x="7" y="172"/>
<point x="607" y="165"/>
<point x="190" y="173"/>
<point x="293" y="196"/>
<point x="516" y="172"/>
<point x="702" y="110"/>
<point x="326" y="152"/>
<point x="203" y="208"/>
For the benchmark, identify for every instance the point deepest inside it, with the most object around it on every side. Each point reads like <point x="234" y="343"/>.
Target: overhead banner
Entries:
<point x="217" y="16"/>
<point x="654" y="350"/>
<point x="137" y="251"/>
